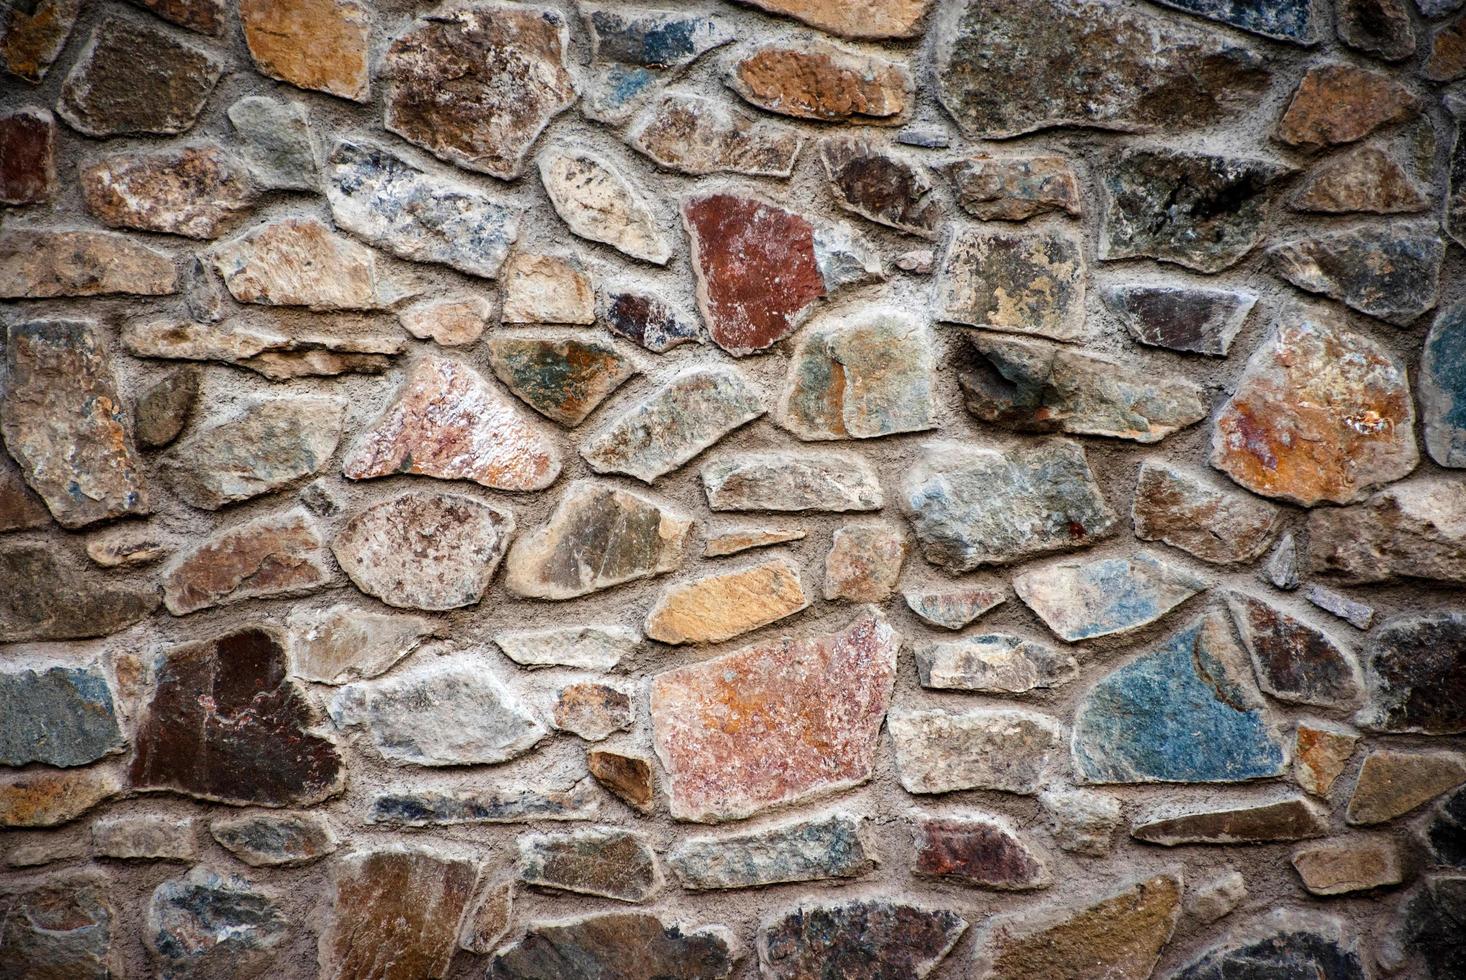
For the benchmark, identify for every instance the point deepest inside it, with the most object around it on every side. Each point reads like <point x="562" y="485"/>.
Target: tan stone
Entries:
<point x="598" y="203"/>
<point x="1319" y="756"/>
<point x="818" y="80"/>
<point x="315" y="44"/>
<point x="864" y="562"/>
<point x="301" y="262"/>
<point x="1393" y="783"/>
<point x="732" y="542"/>
<point x="547" y="289"/>
<point x="342" y="643"/>
<point x="39" y="263"/>
<point x="696" y="135"/>
<point x="129" y="547"/>
<point x="46" y="798"/>
<point x="1346" y="865"/>
<point x="194" y="191"/>
<point x="1340" y="104"/>
<point x="453" y="321"/>
<point x="719" y="607"/>
<point x="872" y="19"/>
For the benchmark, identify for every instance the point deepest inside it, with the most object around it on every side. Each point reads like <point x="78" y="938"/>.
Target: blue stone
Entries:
<point x="1286" y="20"/>
<point x="1187" y="712"/>
<point x="1443" y="388"/>
<point x="654" y="38"/>
<point x="63" y="716"/>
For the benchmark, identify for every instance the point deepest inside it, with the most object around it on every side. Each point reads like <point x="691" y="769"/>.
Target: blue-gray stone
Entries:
<point x="653" y="38"/>
<point x="63" y="716"/>
<point x="57" y="929"/>
<point x="1443" y="388"/>
<point x="808" y="850"/>
<point x="1286" y="20"/>
<point x="1283" y="946"/>
<point x="1187" y="712"/>
<point x="208" y="926"/>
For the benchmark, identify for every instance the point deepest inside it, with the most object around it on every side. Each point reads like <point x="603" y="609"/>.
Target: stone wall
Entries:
<point x="789" y="488"/>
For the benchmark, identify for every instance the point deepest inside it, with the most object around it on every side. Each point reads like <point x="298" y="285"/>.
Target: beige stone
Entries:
<point x="453" y="321"/>
<point x="1345" y="865"/>
<point x="547" y="289"/>
<point x="720" y="607"/>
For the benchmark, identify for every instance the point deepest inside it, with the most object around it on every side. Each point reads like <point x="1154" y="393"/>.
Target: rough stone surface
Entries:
<point x="196" y="191"/>
<point x="32" y="36"/>
<point x="1015" y="188"/>
<point x="798" y="734"/>
<point x="627" y="777"/>
<point x="1389" y="273"/>
<point x="301" y="262"/>
<point x="952" y="608"/>
<point x="737" y="541"/>
<point x="454" y="321"/>
<point x="1085" y="600"/>
<point x="1338" y="103"/>
<point x="864" y="562"/>
<point x="1182" y="318"/>
<point x="593" y="711"/>
<point x="43" y="596"/>
<point x="209" y="925"/>
<point x="136" y="80"/>
<point x="978" y="851"/>
<point x="1081" y="821"/>
<point x="873" y="21"/>
<point x="874" y="938"/>
<point x="1255" y="821"/>
<point x="1187" y="511"/>
<point x="563" y="380"/>
<point x="1416" y="672"/>
<point x="1366" y="179"/>
<point x="652" y="38"/>
<point x="1379" y="27"/>
<point x="1447" y="60"/>
<point x="341" y="643"/>
<point x="884" y="187"/>
<point x="547" y="289"/>
<point x="48" y="798"/>
<point x="587" y="647"/>
<point x="268" y="840"/>
<point x="62" y="927"/>
<point x="1319" y="756"/>
<point x="818" y="80"/>
<point x="1411" y="530"/>
<point x="597" y="202"/>
<point x="1017" y="282"/>
<point x="993" y="663"/>
<point x="647" y="320"/>
<point x="1002" y="749"/>
<point x="609" y="863"/>
<point x="275" y="555"/>
<point x="276" y="142"/>
<point x="1393" y="783"/>
<point x="815" y="849"/>
<point x="1287" y="20"/>
<point x="1216" y="899"/>
<point x="123" y="837"/>
<point x="163" y="409"/>
<point x="312" y="44"/>
<point x="1282" y="943"/>
<point x="27" y="154"/>
<point x="1445" y="833"/>
<point x="507" y="804"/>
<point x="719" y="607"/>
<point x="60" y="716"/>
<point x="1294" y="661"/>
<point x="20" y="508"/>
<point x="1442" y="388"/>
<point x="788" y="482"/>
<point x="616" y="946"/>
<point x="1359" y="615"/>
<point x="699" y="136"/>
<point x="488" y="918"/>
<point x="41" y="263"/>
<point x="1351" y="865"/>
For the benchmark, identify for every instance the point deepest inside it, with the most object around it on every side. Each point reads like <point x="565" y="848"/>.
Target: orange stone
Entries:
<point x="817" y="80"/>
<point x="871" y="19"/>
<point x="1340" y="104"/>
<point x="315" y="44"/>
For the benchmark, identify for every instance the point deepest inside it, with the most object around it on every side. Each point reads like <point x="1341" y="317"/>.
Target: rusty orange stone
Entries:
<point x="33" y="34"/>
<point x="817" y="80"/>
<point x="872" y="19"/>
<point x="48" y="797"/>
<point x="1340" y="104"/>
<point x="315" y="44"/>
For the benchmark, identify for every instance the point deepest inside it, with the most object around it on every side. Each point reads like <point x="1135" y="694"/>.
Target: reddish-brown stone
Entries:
<point x="1447" y="61"/>
<point x="627" y="777"/>
<point x="33" y="34"/>
<point x="979" y="851"/>
<point x="1340" y="104"/>
<point x="225" y="723"/>
<point x="869" y="19"/>
<point x="270" y="556"/>
<point x="27" y="156"/>
<point x="204" y="16"/>
<point x="193" y="191"/>
<point x="860" y="940"/>
<point x="817" y="80"/>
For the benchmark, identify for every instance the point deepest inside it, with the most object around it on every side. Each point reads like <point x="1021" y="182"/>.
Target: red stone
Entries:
<point x="27" y="156"/>
<point x="978" y="851"/>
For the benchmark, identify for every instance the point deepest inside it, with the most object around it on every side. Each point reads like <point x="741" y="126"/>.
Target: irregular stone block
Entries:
<point x="547" y="289"/>
<point x="593" y="711"/>
<point x="952" y="608"/>
<point x="345" y="345"/>
<point x="719" y="607"/>
<point x="1284" y="942"/>
<point x="1447" y="58"/>
<point x="1002" y="749"/>
<point x="800" y="734"/>
<point x="1442" y="388"/>
<point x="1187" y="511"/>
<point x="818" y="849"/>
<point x="301" y="262"/>
<point x="275" y="139"/>
<point x="598" y="203"/>
<point x="695" y="135"/>
<point x="61" y="716"/>
<point x="1365" y="179"/>
<point x="647" y="320"/>
<point x="342" y="643"/>
<point x="61" y="927"/>
<point x="1445" y="832"/>
<point x="1249" y="822"/>
<point x="223" y="722"/>
<point x="507" y="804"/>
<point x="488" y="918"/>
<point x="20" y="508"/>
<point x="195" y="191"/>
<point x="269" y="840"/>
<point x="1382" y="28"/>
<point x="1085" y="600"/>
<point x="312" y="44"/>
<point x="629" y="944"/>
<point x="1389" y="273"/>
<point x="976" y="505"/>
<point x="1340" y="103"/>
<point x="27" y="151"/>
<point x="814" y="79"/>
<point x="1081" y="821"/>
<point x="164" y="408"/>
<point x="143" y="837"/>
<point x="1349" y="865"/>
<point x="1281" y="568"/>
<point x="1430" y="926"/>
<point x="1216" y="898"/>
<point x="204" y="16"/>
<point x="1014" y="188"/>
<point x="864" y="562"/>
<point x="994" y="663"/>
<point x="626" y="777"/>
<point x="1320" y="755"/>
<point x="1357" y="614"/>
<point x="1411" y="530"/>
<point x="48" y="798"/>
<point x="884" y="187"/>
<point x="273" y="556"/>
<point x="1392" y="783"/>
<point x="1416" y="670"/>
<point x="1293" y="660"/>
<point x="878" y="20"/>
<point x="32" y="36"/>
<point x="135" y="79"/>
<point x="48" y="850"/>
<point x="128" y="548"/>
<point x="1283" y="20"/>
<point x="737" y="541"/>
<point x="41" y="263"/>
<point x="1182" y="318"/>
<point x="876" y="937"/>
<point x="609" y="863"/>
<point x="45" y="597"/>
<point x="453" y="321"/>
<point x="978" y="851"/>
<point x="652" y="38"/>
<point x="1023" y="282"/>
<point x="1139" y="723"/>
<point x="587" y="647"/>
<point x="208" y="925"/>
<point x="789" y="482"/>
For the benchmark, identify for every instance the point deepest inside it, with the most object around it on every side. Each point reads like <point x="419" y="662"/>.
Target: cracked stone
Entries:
<point x="788" y="482"/>
<point x="1025" y="282"/>
<point x="1337" y="104"/>
<point x="1186" y="510"/>
<point x="1003" y="749"/>
<point x="61" y="927"/>
<point x="1283" y="20"/>
<point x="648" y="321"/>
<point x="875" y="938"/>
<point x="1416" y="672"/>
<point x="1366" y="179"/>
<point x="1014" y="188"/>
<point x="598" y="203"/>
<point x="275" y="139"/>
<point x="695" y="135"/>
<point x="342" y="643"/>
<point x="614" y="946"/>
<point x="506" y="804"/>
<point x="626" y="777"/>
<point x="1410" y="530"/>
<point x="993" y="663"/>
<point x="1294" y="661"/>
<point x="1082" y="600"/>
<point x="164" y="408"/>
<point x="27" y="152"/>
<point x="1379" y="27"/>
<point x="563" y="380"/>
<point x="301" y="262"/>
<point x="40" y="263"/>
<point x="44" y="596"/>
<point x="47" y="798"/>
<point x="196" y="191"/>
<point x="586" y="647"/>
<point x="593" y="711"/>
<point x="608" y="863"/>
<point x="271" y="840"/>
<point x="61" y="716"/>
<point x="719" y="607"/>
<point x="134" y="79"/>
<point x="1182" y="318"/>
<point x="31" y="36"/>
<point x="1283" y="819"/>
<point x="817" y="849"/>
<point x="885" y="187"/>
<point x="1320" y="755"/>
<point x="547" y="289"/>
<point x="953" y="608"/>
<point x="1389" y="273"/>
<point x="1350" y="865"/>
<point x="1442" y="388"/>
<point x="1081" y="821"/>
<point x="272" y="556"/>
<point x="208" y="925"/>
<point x="1392" y="783"/>
<point x="739" y="540"/>
<point x="1284" y="943"/>
<point x="814" y="79"/>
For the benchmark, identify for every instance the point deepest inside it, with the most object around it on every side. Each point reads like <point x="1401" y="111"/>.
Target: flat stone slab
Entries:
<point x="888" y="188"/>
<point x="60" y="716"/>
<point x="1442" y="387"/>
<point x="134" y="78"/>
<point x="205" y="922"/>
<point x="695" y="135"/>
<point x="62" y="927"/>
<point x="792" y="482"/>
<point x="598" y="203"/>
<point x="195" y="191"/>
<point x="41" y="263"/>
<point x="270" y="840"/>
<point x="1355" y="864"/>
<point x="629" y="944"/>
<point x="719" y="607"/>
<point x="1243" y="822"/>
<point x="1187" y="510"/>
<point x="993" y="663"/>
<point x="1182" y="318"/>
<point x="1015" y="188"/>
<point x="608" y="863"/>
<point x="588" y="647"/>
<point x="1002" y="749"/>
<point x="1389" y="273"/>
<point x="1412" y="530"/>
<point x="952" y="609"/>
<point x="1392" y="783"/>
<point x="876" y="937"/>
<point x="1029" y="282"/>
<point x="1085" y="600"/>
<point x="511" y="803"/>
<point x="272" y="556"/>
<point x="45" y="596"/>
<point x="815" y="849"/>
<point x="814" y="79"/>
<point x="342" y="642"/>
<point x="301" y="262"/>
<point x="1287" y="20"/>
<point x="563" y="380"/>
<point x="324" y="45"/>
<point x="978" y="851"/>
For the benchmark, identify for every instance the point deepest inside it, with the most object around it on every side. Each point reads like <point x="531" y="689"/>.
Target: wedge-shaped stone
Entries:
<point x="1442" y="387"/>
<point x="1016" y="282"/>
<point x="1118" y="937"/>
<point x="1000" y="749"/>
<point x="32" y="36"/>
<point x="505" y="804"/>
<point x="477" y="86"/>
<point x="563" y="380"/>
<point x="224" y="722"/>
<point x="587" y="647"/>
<point x="974" y="506"/>
<point x="342" y="643"/>
<point x="692" y="134"/>
<point x="66" y="425"/>
<point x="1284" y="943"/>
<point x="994" y="663"/>
<point x="323" y="45"/>
<point x="1320" y="414"/>
<point x="1187" y="510"/>
<point x="1392" y="273"/>
<point x="593" y="711"/>
<point x="1182" y="318"/>
<point x="205" y="924"/>
<point x="979" y="851"/>
<point x="1416" y="670"/>
<point x="327" y="347"/>
<point x="814" y="849"/>
<point x="1366" y="179"/>
<point x="1085" y="600"/>
<point x="195" y="191"/>
<point x="60" y="927"/>
<point x="877" y="20"/>
<point x="136" y="79"/>
<point x="814" y="79"/>
<point x="676" y="422"/>
<point x="164" y="407"/>
<point x="1341" y="103"/>
<point x="736" y="541"/>
<point x="715" y="608"/>
<point x="1139" y="724"/>
<point x="387" y="202"/>
<point x="626" y="777"/>
<point x="301" y="262"/>
<point x="1393" y="783"/>
<point x="270" y="840"/>
<point x="1283" y="20"/>
<point x="447" y="422"/>
<point x="647" y="320"/>
<point x="953" y="608"/>
<point x="790" y="482"/>
<point x="597" y="202"/>
<point x="876" y="937"/>
<point x="20" y="508"/>
<point x="1102" y="65"/>
<point x="606" y="862"/>
<point x="48" y="797"/>
<point x="801" y="734"/>
<point x="1410" y="530"/>
<point x="489" y="915"/>
<point x="272" y="556"/>
<point x="40" y="263"/>
<point x="885" y="187"/>
<point x="1243" y="822"/>
<point x="1030" y="386"/>
<point x="46" y="596"/>
<point x="1353" y="864"/>
<point x="617" y="944"/>
<point x="394" y="913"/>
<point x="1014" y="188"/>
<point x="861" y="377"/>
<point x="1320" y="754"/>
<point x="1294" y="660"/>
<point x="599" y="536"/>
<point x="60" y="716"/>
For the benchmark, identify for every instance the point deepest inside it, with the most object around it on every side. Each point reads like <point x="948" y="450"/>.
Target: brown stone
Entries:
<point x="1365" y="179"/>
<point x="454" y="321"/>
<point x="1447" y="60"/>
<point x="1347" y="865"/>
<point x="733" y="542"/>
<point x="627" y="777"/>
<point x="719" y="607"/>
<point x="135" y="79"/>
<point x="1393" y="783"/>
<point x="301" y="262"/>
<point x="488" y="918"/>
<point x="593" y="711"/>
<point x="314" y="44"/>
<point x="875" y="183"/>
<point x="46" y="596"/>
<point x="39" y="263"/>
<point x="859" y="939"/>
<point x="696" y="135"/>
<point x="195" y="191"/>
<point x="1382" y="28"/>
<point x="20" y="508"/>
<point x="1015" y="188"/>
<point x="609" y="863"/>
<point x="475" y="87"/>
<point x="617" y="946"/>
<point x="563" y="380"/>
<point x="1410" y="530"/>
<point x="1020" y="283"/>
<point x="547" y="289"/>
<point x="33" y="34"/>
<point x="164" y="407"/>
<point x="204" y="16"/>
<point x="774" y="723"/>
<point x="271" y="556"/>
<point x="1319" y="414"/>
<point x="447" y="422"/>
<point x="818" y="80"/>
<point x="224" y="722"/>
<point x="1294" y="660"/>
<point x="394" y="914"/>
<point x="27" y="153"/>
<point x="979" y="851"/>
<point x="1219" y="822"/>
<point x="864" y="562"/>
<point x="1340" y="104"/>
<point x="48" y="798"/>
<point x="59" y="929"/>
<point x="872" y="20"/>
<point x="128" y="547"/>
<point x="1320" y="755"/>
<point x="1186" y="511"/>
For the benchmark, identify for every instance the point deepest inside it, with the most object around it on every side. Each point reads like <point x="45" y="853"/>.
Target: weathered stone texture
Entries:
<point x="1186" y="511"/>
<point x="44" y="596"/>
<point x="876" y="938"/>
<point x="1030" y="282"/>
<point x="1411" y="530"/>
<point x="719" y="607"/>
<point x="63" y="927"/>
<point x="696" y="135"/>
<point x="61" y="716"/>
<point x="608" y="863"/>
<point x="301" y="262"/>
<point x="1294" y="661"/>
<point x="1415" y="667"/>
<point x="1252" y="821"/>
<point x="614" y="946"/>
<point x="27" y="154"/>
<point x="31" y="36"/>
<point x="978" y="851"/>
<point x="597" y="202"/>
<point x="818" y="80"/>
<point x="1393" y="783"/>
<point x="41" y="263"/>
<point x="1392" y="273"/>
<point x="1015" y="188"/>
<point x="816" y="849"/>
<point x="1284" y="942"/>
<point x="1084" y="600"/>
<point x="313" y="44"/>
<point x="789" y="482"/>
<point x="996" y="749"/>
<point x="997" y="663"/>
<point x="269" y="840"/>
<point x="136" y="79"/>
<point x="196" y="191"/>
<point x="275" y="555"/>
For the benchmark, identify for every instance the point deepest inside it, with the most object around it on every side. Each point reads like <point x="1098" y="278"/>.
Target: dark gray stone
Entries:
<point x="1285" y="944"/>
<point x="59" y="929"/>
<point x="1285" y="20"/>
<point x="205" y="926"/>
<point x="507" y="804"/>
<point x="808" y="850"/>
<point x="1415" y="667"/>
<point x="45" y="596"/>
<point x="136" y="79"/>
<point x="62" y="716"/>
<point x="1442" y="388"/>
<point x="1391" y="272"/>
<point x="858" y="939"/>
<point x="1295" y="661"/>
<point x="1182" y="318"/>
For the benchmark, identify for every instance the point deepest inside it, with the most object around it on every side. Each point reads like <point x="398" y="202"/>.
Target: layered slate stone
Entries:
<point x="864" y="562"/>
<point x="449" y="711"/>
<point x="1441" y="384"/>
<point x="60" y="927"/>
<point x="587" y="647"/>
<point x="164" y="407"/>
<point x="275" y="840"/>
<point x="1382" y="28"/>
<point x="289" y="348"/>
<point x="593" y="711"/>
<point x="626" y="777"/>
<point x="739" y="540"/>
<point x="1014" y="188"/>
<point x="224" y="722"/>
<point x="1139" y="723"/>
<point x="1288" y="20"/>
<point x="598" y="203"/>
<point x="301" y="262"/>
<point x="32" y="36"/>
<point x="1108" y="596"/>
<point x="563" y="380"/>
<point x="685" y="416"/>
<point x="952" y="608"/>
<point x="1415" y="667"/>
<point x="272" y="556"/>
<point x="616" y="944"/>
<point x="599" y="536"/>
<point x="206" y="924"/>
<point x="609" y="863"/>
<point x="1080" y="820"/>
<point x="975" y="505"/>
<point x="815" y="849"/>
<point x="48" y="798"/>
<point x="1294" y="660"/>
<point x="1392" y="273"/>
<point x="1252" y="821"/>
<point x="1352" y="865"/>
<point x="1118" y="937"/>
<point x="695" y="135"/>
<point x="61" y="716"/>
<point x="860" y="377"/>
<point x="196" y="191"/>
<point x="1359" y="615"/>
<point x="1016" y="282"/>
<point x="1030" y="386"/>
<point x="874" y="937"/>
<point x="1336" y="104"/>
<point x="993" y="663"/>
<point x="46" y="596"/>
<point x="447" y="422"/>
<point x="1320" y="754"/>
<point x="801" y="732"/>
<point x="66" y="425"/>
<point x="262" y="447"/>
<point x="647" y="320"/>
<point x="509" y="803"/>
<point x="27" y="155"/>
<point x="1186" y="510"/>
<point x="1410" y="530"/>
<point x="476" y="87"/>
<point x="275" y="140"/>
<point x="719" y="607"/>
<point x="136" y="80"/>
<point x="1392" y="783"/>
<point x="323" y="45"/>
<point x="1282" y="943"/>
<point x="546" y="289"/>
<point x="741" y="244"/>
<point x="1320" y="414"/>
<point x="1011" y="67"/>
<point x="341" y="643"/>
<point x="978" y="851"/>
<point x="394" y="913"/>
<point x="1196" y="210"/>
<point x="1365" y="179"/>
<point x="1001" y="749"/>
<point x="387" y="202"/>
<point x="1191" y="319"/>
<point x="814" y="79"/>
<point x="41" y="263"/>
<point x="790" y="482"/>
<point x="882" y="186"/>
<point x="432" y="551"/>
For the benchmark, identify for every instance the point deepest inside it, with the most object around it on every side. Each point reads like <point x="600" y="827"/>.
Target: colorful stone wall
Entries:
<point x="797" y="489"/>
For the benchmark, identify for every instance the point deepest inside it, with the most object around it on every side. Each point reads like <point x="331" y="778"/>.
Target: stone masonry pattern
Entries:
<point x="711" y="489"/>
